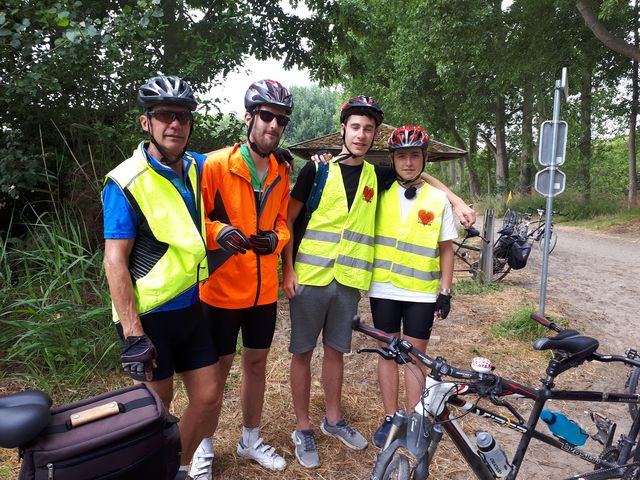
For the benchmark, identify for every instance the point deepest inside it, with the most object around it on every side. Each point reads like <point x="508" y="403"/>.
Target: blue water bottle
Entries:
<point x="564" y="428"/>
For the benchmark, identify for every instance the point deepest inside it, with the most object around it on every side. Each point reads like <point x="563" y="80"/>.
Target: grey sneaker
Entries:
<point x="345" y="433"/>
<point x="306" y="449"/>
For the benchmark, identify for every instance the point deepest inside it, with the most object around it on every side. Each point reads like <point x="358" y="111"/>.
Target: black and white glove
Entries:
<point x="283" y="155"/>
<point x="233" y="240"/>
<point x="443" y="305"/>
<point x="138" y="357"/>
<point x="265" y="242"/>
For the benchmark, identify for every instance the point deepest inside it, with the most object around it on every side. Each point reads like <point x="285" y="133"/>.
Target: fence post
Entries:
<point x="486" y="251"/>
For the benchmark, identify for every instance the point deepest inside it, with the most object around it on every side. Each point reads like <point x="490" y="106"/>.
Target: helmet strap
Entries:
<point x="164" y="159"/>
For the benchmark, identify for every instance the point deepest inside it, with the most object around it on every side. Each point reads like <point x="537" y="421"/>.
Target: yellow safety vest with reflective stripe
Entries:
<point x="338" y="242"/>
<point x="406" y="252"/>
<point x="169" y="253"/>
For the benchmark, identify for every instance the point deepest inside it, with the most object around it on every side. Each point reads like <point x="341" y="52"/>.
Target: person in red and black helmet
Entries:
<point x="328" y="262"/>
<point x="413" y="266"/>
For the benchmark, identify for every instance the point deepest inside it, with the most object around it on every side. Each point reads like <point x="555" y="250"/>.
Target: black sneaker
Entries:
<point x="381" y="434"/>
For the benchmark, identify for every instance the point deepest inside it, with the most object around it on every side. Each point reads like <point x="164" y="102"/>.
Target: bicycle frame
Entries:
<point x="528" y="430"/>
<point x="438" y="395"/>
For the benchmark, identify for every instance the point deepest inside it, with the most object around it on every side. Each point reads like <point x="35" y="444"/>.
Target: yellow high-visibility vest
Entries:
<point x="406" y="252"/>
<point x="338" y="242"/>
<point x="169" y="253"/>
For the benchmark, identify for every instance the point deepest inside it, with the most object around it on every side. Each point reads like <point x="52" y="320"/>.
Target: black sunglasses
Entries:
<point x="267" y="117"/>
<point x="168" y="116"/>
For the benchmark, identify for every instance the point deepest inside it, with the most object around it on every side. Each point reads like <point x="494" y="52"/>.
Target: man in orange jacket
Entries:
<point x="245" y="191"/>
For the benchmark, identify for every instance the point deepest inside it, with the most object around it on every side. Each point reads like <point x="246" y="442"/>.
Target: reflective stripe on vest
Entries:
<point x="338" y="243"/>
<point x="407" y="253"/>
<point x="168" y="255"/>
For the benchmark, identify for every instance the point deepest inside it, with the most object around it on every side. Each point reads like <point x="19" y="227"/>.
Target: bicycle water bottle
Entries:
<point x="492" y="454"/>
<point x="564" y="428"/>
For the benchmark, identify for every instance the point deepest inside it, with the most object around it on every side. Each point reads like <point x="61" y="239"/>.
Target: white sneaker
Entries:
<point x="202" y="463"/>
<point x="262" y="453"/>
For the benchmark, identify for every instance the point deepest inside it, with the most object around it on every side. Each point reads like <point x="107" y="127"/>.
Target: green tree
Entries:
<point x="315" y="113"/>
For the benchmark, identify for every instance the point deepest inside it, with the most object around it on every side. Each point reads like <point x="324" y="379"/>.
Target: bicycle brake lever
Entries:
<point x="383" y="352"/>
<point x="508" y="406"/>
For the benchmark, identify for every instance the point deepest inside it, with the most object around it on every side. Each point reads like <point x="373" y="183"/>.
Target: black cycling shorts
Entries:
<point x="258" y="325"/>
<point x="416" y="318"/>
<point x="182" y="339"/>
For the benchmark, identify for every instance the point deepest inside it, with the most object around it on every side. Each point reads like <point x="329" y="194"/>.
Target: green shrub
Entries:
<point x="55" y="314"/>
<point x="472" y="287"/>
<point x="521" y="327"/>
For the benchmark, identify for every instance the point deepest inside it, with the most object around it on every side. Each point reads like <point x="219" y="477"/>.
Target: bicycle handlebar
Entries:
<point x="438" y="366"/>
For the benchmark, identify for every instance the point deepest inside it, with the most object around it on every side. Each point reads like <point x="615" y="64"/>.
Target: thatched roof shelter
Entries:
<point x="379" y="153"/>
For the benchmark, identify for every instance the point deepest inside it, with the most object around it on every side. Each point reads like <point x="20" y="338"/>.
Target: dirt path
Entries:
<point x="596" y="277"/>
<point x="593" y="278"/>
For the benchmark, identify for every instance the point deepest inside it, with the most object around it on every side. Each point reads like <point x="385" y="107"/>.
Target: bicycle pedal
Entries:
<point x="606" y="428"/>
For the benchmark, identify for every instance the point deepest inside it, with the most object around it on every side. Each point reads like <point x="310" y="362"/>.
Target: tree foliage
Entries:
<point x="71" y="68"/>
<point x="315" y="113"/>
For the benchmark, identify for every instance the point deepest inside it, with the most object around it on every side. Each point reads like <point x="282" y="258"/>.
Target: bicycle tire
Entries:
<point x="632" y="386"/>
<point x="398" y="468"/>
<point x="552" y="241"/>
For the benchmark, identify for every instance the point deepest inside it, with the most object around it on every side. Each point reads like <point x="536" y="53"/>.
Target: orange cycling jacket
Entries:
<point x="242" y="281"/>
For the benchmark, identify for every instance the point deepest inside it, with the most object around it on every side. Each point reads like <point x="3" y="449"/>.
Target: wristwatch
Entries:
<point x="445" y="291"/>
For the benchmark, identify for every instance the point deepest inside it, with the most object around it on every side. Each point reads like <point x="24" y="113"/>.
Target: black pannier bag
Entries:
<point x="518" y="253"/>
<point x="122" y="435"/>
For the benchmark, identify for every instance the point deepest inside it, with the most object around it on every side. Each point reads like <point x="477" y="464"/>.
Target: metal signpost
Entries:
<point x="551" y="181"/>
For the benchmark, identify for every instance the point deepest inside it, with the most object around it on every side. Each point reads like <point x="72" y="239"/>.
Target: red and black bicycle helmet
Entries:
<point x="408" y="136"/>
<point x="166" y="89"/>
<point x="268" y="92"/>
<point x="364" y="106"/>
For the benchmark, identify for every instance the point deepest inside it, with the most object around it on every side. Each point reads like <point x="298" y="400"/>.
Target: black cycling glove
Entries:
<point x="265" y="242"/>
<point x="283" y="155"/>
<point x="443" y="305"/>
<point x="233" y="240"/>
<point x="138" y="357"/>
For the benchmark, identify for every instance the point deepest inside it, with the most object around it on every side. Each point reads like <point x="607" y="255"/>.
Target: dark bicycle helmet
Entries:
<point x="268" y="92"/>
<point x="408" y="136"/>
<point x="364" y="106"/>
<point x="166" y="89"/>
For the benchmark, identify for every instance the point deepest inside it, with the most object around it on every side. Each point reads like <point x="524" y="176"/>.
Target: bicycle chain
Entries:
<point x="597" y="473"/>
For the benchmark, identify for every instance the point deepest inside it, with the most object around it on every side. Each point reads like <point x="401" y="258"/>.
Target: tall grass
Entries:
<point x="54" y="312"/>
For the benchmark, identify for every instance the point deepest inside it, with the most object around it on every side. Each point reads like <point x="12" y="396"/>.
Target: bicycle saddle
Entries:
<point x="570" y="341"/>
<point x="22" y="417"/>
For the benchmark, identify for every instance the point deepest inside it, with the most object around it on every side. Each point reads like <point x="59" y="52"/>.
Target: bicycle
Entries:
<point x="420" y="432"/>
<point x="534" y="230"/>
<point x="470" y="256"/>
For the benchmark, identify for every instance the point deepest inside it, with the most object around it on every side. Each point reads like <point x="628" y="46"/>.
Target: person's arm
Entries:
<point x="116" y="261"/>
<point x="443" y="302"/>
<point x="289" y="276"/>
<point x="282" y="225"/>
<point x="465" y="213"/>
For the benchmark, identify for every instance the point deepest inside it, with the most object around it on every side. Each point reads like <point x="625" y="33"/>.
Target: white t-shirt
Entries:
<point x="448" y="231"/>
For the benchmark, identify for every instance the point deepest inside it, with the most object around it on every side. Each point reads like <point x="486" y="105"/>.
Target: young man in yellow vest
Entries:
<point x="413" y="265"/>
<point x="155" y="255"/>
<point x="327" y="264"/>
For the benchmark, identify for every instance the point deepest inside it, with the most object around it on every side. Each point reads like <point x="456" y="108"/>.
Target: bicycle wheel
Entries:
<point x="552" y="241"/>
<point x="398" y="468"/>
<point x="500" y="269"/>
<point x="632" y="386"/>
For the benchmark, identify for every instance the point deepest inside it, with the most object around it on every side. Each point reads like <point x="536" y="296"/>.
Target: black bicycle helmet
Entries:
<point x="268" y="92"/>
<point x="408" y="136"/>
<point x="362" y="105"/>
<point x="166" y="89"/>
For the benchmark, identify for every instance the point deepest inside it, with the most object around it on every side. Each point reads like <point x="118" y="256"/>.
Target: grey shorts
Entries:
<point x="329" y="309"/>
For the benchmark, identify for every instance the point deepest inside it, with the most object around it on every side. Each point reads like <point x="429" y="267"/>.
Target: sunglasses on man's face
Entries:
<point x="267" y="117"/>
<point x="168" y="116"/>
